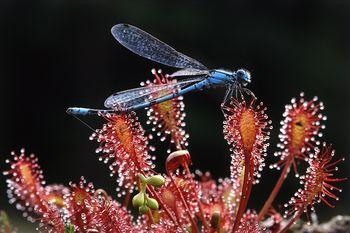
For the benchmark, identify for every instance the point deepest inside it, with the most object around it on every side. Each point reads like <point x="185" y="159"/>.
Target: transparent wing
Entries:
<point x="123" y="100"/>
<point x="189" y="72"/>
<point x="145" y="45"/>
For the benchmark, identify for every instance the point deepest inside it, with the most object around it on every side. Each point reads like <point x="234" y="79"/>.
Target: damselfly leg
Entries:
<point x="239" y="93"/>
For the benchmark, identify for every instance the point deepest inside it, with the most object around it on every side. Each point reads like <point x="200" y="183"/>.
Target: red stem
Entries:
<point x="275" y="190"/>
<point x="194" y="225"/>
<point x="160" y="201"/>
<point x="177" y="143"/>
<point x="127" y="198"/>
<point x="201" y="212"/>
<point x="150" y="216"/>
<point x="296" y="217"/>
<point x="246" y="189"/>
<point x="185" y="205"/>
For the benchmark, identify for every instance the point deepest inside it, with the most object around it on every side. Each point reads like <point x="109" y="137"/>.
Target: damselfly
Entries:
<point x="198" y="76"/>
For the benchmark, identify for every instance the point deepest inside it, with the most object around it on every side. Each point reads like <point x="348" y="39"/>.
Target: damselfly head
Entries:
<point x="243" y="76"/>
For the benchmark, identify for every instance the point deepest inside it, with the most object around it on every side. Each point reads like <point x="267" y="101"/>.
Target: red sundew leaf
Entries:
<point x="300" y="131"/>
<point x="247" y="129"/>
<point x="250" y="224"/>
<point x="25" y="183"/>
<point x="164" y="225"/>
<point x="112" y="217"/>
<point x="26" y="188"/>
<point x="80" y="205"/>
<point x="167" y="118"/>
<point x="169" y="198"/>
<point x="94" y="211"/>
<point x="52" y="220"/>
<point x="318" y="182"/>
<point x="55" y="194"/>
<point x="124" y="146"/>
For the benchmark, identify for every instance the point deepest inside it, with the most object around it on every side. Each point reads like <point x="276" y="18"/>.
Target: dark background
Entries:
<point x="55" y="54"/>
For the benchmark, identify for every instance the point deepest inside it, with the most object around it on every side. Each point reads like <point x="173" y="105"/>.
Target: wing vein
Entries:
<point x="147" y="46"/>
<point x="126" y="99"/>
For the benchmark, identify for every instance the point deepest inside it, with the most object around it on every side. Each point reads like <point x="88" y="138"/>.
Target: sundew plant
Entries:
<point x="179" y="199"/>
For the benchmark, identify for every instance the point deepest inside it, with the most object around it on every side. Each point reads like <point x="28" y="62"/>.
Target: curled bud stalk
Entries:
<point x="124" y="146"/>
<point x="177" y="159"/>
<point x="182" y="186"/>
<point x="299" y="135"/>
<point x="167" y="118"/>
<point x="318" y="184"/>
<point x="246" y="129"/>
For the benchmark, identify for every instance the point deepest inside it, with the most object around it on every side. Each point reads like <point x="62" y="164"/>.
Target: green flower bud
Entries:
<point x="152" y="203"/>
<point x="156" y="181"/>
<point x="138" y="200"/>
<point x="143" y="209"/>
<point x="69" y="228"/>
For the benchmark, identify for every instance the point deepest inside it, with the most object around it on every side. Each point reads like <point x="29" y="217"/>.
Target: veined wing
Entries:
<point x="189" y="72"/>
<point x="123" y="100"/>
<point x="145" y="45"/>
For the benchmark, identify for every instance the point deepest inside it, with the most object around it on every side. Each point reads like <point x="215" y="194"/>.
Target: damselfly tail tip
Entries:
<point x="70" y="111"/>
<point x="77" y="111"/>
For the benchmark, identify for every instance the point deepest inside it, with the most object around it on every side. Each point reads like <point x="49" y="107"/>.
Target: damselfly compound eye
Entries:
<point x="243" y="76"/>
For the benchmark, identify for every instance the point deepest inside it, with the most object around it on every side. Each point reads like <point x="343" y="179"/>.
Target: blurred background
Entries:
<point x="57" y="54"/>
